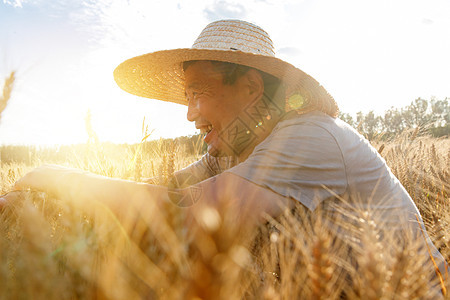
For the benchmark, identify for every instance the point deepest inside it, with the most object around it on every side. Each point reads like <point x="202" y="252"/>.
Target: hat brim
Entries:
<point x="159" y="75"/>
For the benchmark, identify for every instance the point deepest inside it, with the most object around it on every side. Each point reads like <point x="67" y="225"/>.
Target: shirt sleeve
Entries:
<point x="298" y="160"/>
<point x="207" y="167"/>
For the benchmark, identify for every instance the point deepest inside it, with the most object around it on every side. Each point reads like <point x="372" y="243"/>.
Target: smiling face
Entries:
<point x="216" y="108"/>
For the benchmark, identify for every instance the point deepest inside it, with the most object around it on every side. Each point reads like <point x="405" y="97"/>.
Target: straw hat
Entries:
<point x="159" y="75"/>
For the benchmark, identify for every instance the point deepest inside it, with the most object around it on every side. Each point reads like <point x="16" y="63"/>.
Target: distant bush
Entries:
<point x="431" y="117"/>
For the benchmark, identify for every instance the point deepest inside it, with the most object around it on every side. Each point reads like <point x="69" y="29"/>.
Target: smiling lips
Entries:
<point x="208" y="129"/>
<point x="205" y="128"/>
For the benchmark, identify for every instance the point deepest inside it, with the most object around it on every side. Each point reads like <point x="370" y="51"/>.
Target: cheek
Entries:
<point x="210" y="109"/>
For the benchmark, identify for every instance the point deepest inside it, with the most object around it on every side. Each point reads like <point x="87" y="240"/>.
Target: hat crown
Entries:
<point x="235" y="35"/>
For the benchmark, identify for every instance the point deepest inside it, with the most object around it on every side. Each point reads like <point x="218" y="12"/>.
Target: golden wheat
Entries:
<point x="55" y="249"/>
<point x="7" y="90"/>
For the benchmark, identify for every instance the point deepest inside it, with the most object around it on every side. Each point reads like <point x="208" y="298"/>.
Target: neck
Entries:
<point x="261" y="118"/>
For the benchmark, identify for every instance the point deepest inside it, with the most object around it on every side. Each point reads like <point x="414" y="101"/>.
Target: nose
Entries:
<point x="193" y="111"/>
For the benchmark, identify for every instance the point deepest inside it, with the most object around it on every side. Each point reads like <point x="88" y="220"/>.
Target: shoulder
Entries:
<point x="312" y="132"/>
<point x="302" y="144"/>
<point x="315" y="129"/>
<point x="297" y="159"/>
<point x="315" y="120"/>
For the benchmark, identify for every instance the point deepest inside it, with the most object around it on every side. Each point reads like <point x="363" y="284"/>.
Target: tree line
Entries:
<point x="430" y="116"/>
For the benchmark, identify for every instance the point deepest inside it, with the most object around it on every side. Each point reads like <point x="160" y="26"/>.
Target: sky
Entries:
<point x="370" y="55"/>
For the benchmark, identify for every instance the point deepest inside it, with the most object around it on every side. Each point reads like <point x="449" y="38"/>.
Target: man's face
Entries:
<point x="214" y="106"/>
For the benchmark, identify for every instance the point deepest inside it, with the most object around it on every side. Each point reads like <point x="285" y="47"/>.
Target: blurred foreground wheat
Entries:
<point x="55" y="249"/>
<point x="7" y="89"/>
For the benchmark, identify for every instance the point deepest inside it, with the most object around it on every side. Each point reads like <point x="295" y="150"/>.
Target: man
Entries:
<point x="272" y="134"/>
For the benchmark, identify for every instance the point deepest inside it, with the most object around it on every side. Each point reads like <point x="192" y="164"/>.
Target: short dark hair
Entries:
<point x="273" y="87"/>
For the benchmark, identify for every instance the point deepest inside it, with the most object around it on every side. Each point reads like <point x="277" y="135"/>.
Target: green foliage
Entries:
<point x="432" y="117"/>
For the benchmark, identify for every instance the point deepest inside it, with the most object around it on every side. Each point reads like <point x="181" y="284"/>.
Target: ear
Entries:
<point x="254" y="84"/>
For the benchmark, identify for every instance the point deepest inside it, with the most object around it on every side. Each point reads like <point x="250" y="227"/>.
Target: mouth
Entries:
<point x="208" y="131"/>
<point x="205" y="129"/>
<point x="210" y="137"/>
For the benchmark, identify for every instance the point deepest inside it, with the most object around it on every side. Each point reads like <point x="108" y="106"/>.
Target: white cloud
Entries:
<point x="289" y="51"/>
<point x="368" y="54"/>
<point x="427" y="21"/>
<point x="223" y="9"/>
<point x="14" y="3"/>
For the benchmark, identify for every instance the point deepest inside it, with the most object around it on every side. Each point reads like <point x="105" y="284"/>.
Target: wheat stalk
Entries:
<point x="50" y="249"/>
<point x="7" y="89"/>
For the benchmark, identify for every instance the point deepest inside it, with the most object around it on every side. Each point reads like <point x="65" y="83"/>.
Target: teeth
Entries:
<point x="206" y="129"/>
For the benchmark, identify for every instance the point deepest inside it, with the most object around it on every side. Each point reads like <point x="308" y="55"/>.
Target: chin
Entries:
<point x="216" y="152"/>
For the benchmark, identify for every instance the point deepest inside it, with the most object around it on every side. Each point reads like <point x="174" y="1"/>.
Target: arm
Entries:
<point x="203" y="169"/>
<point x="228" y="190"/>
<point x="84" y="188"/>
<point x="192" y="174"/>
<point x="223" y="192"/>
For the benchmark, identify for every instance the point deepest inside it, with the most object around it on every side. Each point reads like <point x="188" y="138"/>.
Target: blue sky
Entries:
<point x="370" y="55"/>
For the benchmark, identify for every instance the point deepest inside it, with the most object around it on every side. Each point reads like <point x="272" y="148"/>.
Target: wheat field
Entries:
<point x="56" y="249"/>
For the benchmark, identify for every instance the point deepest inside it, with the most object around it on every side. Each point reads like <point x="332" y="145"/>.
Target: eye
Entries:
<point x="190" y="95"/>
<point x="194" y="95"/>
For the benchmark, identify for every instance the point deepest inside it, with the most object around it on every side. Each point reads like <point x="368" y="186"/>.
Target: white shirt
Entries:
<point x="319" y="160"/>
